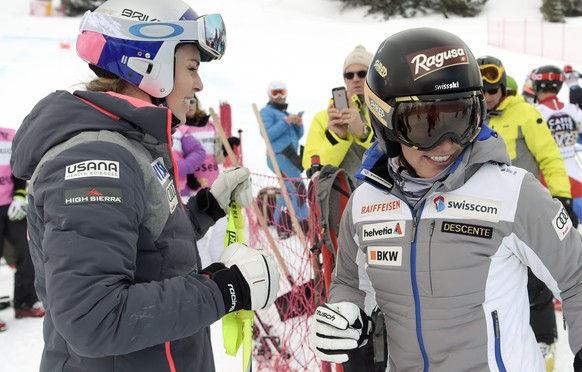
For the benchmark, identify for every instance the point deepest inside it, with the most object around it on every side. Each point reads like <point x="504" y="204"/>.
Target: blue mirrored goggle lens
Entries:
<point x="214" y="36"/>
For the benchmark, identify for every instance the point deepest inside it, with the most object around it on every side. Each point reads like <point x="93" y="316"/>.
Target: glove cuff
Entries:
<point x="367" y="327"/>
<point x="208" y="204"/>
<point x="235" y="290"/>
<point x="19" y="193"/>
<point x="568" y="204"/>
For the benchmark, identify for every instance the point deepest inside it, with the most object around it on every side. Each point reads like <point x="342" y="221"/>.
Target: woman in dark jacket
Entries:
<point x="113" y="246"/>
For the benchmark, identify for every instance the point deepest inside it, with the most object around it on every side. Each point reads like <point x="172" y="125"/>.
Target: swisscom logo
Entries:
<point x="467" y="207"/>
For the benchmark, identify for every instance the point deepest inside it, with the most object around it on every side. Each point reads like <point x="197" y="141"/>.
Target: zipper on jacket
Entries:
<point x="430" y="232"/>
<point x="497" y="332"/>
<point x="415" y="293"/>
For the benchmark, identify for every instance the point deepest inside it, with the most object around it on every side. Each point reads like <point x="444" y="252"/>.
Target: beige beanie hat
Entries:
<point x="360" y="56"/>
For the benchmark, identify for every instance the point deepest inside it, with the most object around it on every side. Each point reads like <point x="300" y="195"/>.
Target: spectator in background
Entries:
<point x="284" y="131"/>
<point x="532" y="147"/>
<point x="189" y="156"/>
<point x="564" y="121"/>
<point x="340" y="138"/>
<point x="572" y="77"/>
<point x="527" y="91"/>
<point x="13" y="229"/>
<point x="204" y="131"/>
<point x="511" y="86"/>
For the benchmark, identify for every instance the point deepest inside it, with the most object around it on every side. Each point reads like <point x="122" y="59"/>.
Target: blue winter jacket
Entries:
<point x="280" y="133"/>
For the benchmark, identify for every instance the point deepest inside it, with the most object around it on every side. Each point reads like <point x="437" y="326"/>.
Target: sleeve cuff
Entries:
<point x="208" y="204"/>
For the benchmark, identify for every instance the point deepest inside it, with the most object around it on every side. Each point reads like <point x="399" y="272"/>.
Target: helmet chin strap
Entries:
<point x="161" y="102"/>
<point x="407" y="167"/>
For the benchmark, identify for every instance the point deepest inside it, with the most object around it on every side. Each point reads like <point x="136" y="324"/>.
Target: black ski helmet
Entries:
<point x="493" y="73"/>
<point x="416" y="73"/>
<point x="547" y="77"/>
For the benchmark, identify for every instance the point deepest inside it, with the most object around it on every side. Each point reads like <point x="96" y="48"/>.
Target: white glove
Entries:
<point x="338" y="328"/>
<point x="17" y="209"/>
<point x="233" y="180"/>
<point x="259" y="269"/>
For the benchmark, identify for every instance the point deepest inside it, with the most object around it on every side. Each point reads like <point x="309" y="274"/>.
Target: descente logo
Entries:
<point x="430" y="60"/>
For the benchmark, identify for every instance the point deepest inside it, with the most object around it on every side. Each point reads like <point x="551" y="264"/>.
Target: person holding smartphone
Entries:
<point x="284" y="131"/>
<point x="341" y="134"/>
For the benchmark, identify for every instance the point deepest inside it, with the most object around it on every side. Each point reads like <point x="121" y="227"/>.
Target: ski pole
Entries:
<point x="237" y="327"/>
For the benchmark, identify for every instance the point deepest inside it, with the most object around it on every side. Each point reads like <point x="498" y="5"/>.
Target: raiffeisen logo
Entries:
<point x="439" y="203"/>
<point x="468" y="207"/>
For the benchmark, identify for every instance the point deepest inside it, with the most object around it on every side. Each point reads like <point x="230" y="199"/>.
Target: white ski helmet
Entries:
<point x="276" y="88"/>
<point x="136" y="40"/>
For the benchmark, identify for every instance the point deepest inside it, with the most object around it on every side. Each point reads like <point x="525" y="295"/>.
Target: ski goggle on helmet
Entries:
<point x="423" y="122"/>
<point x="139" y="46"/>
<point x="492" y="73"/>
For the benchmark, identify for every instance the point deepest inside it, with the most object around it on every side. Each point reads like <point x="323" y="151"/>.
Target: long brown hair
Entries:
<point x="102" y="84"/>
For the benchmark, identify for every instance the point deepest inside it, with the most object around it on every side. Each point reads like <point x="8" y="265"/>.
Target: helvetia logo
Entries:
<point x="383" y="230"/>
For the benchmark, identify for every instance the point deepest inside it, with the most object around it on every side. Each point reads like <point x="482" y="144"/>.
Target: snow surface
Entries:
<point x="302" y="42"/>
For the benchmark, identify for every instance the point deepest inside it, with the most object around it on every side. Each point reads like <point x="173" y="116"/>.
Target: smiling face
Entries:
<point x="186" y="80"/>
<point x="429" y="163"/>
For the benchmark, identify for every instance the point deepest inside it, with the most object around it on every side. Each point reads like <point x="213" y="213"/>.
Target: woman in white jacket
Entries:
<point x="442" y="230"/>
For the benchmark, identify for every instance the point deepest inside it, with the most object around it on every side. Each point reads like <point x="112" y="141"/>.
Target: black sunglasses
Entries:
<point x="350" y="75"/>
<point x="492" y="91"/>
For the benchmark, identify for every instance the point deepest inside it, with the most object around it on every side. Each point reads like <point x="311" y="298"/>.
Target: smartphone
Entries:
<point x="300" y="113"/>
<point x="340" y="98"/>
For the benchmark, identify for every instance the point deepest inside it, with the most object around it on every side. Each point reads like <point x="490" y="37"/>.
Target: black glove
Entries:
<point x="232" y="141"/>
<point x="235" y="290"/>
<point x="248" y="278"/>
<point x="569" y="206"/>
<point x="192" y="182"/>
<point x="578" y="361"/>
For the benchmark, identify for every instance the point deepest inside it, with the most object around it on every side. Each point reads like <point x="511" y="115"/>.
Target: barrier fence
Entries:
<point x="539" y="38"/>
